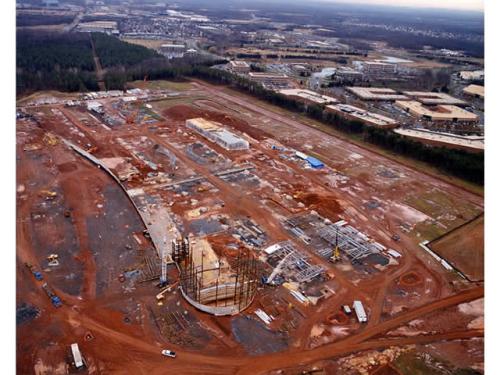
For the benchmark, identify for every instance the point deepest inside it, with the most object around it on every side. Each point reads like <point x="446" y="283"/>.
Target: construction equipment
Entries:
<point x="336" y="255"/>
<point x="336" y="251"/>
<point x="48" y="195"/>
<point x="50" y="139"/>
<point x="37" y="274"/>
<point x="56" y="301"/>
<point x="53" y="260"/>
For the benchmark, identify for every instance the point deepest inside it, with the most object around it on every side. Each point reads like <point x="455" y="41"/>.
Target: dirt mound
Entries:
<point x="183" y="112"/>
<point x="326" y="205"/>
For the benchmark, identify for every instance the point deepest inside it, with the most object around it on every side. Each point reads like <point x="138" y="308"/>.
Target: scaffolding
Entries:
<point x="223" y="296"/>
<point x="288" y="258"/>
<point x="352" y="242"/>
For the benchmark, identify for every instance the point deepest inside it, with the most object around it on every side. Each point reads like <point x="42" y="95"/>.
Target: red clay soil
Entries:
<point x="184" y="112"/>
<point x="411" y="278"/>
<point x="386" y="370"/>
<point x="325" y="205"/>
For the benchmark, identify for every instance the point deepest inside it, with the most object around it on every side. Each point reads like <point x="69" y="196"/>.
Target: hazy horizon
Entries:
<point x="475" y="5"/>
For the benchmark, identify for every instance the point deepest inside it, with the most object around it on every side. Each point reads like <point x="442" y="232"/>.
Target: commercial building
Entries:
<point x="173" y="50"/>
<point x="377" y="69"/>
<point x="376" y="93"/>
<point x="475" y="75"/>
<point x="308" y="96"/>
<point x="239" y="66"/>
<point x="439" y="113"/>
<point x="351" y="112"/>
<point x="216" y="133"/>
<point x="433" y="98"/>
<point x="348" y="74"/>
<point x="474" y="90"/>
<point x="300" y="68"/>
<point x="469" y="143"/>
<point x="269" y="78"/>
<point x="107" y="27"/>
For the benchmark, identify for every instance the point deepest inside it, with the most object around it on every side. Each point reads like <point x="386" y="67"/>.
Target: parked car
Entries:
<point x="168" y="353"/>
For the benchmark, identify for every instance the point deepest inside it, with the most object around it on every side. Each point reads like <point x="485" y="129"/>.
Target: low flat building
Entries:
<point x="95" y="106"/>
<point x="269" y="78"/>
<point x="239" y="66"/>
<point x="475" y="75"/>
<point x="107" y="27"/>
<point x="351" y="112"/>
<point x="433" y="98"/>
<point x="308" y="96"/>
<point x="214" y="132"/>
<point x="469" y="143"/>
<point x="348" y="74"/>
<point x="474" y="90"/>
<point x="439" y="113"/>
<point x="377" y="69"/>
<point x="376" y="93"/>
<point x="172" y="50"/>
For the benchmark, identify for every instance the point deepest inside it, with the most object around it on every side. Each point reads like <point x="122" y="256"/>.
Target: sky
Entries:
<point x="447" y="4"/>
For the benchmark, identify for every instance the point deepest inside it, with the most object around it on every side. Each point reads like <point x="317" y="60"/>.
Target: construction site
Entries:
<point x="247" y="240"/>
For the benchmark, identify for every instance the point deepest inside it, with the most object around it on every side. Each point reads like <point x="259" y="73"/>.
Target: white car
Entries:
<point x="168" y="353"/>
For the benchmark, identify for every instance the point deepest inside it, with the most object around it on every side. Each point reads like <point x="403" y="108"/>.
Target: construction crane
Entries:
<point x="336" y="251"/>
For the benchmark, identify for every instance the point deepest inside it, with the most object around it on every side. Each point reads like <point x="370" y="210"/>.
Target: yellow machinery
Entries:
<point x="50" y="139"/>
<point x="336" y="254"/>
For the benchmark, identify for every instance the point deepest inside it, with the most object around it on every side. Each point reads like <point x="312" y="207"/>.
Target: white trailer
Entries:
<point x="77" y="356"/>
<point x="360" y="311"/>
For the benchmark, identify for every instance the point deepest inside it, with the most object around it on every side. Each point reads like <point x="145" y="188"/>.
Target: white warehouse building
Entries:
<point x="216" y="133"/>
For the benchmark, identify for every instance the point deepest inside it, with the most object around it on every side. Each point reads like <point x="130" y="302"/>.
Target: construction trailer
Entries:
<point x="77" y="356"/>
<point x="360" y="311"/>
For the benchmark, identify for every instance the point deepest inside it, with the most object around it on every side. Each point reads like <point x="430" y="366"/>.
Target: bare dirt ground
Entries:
<point x="464" y="248"/>
<point x="68" y="206"/>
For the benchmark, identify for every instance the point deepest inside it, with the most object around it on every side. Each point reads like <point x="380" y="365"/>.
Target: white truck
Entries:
<point x="360" y="311"/>
<point x="77" y="356"/>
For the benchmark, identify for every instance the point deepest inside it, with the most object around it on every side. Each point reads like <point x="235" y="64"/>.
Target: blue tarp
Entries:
<point x="315" y="163"/>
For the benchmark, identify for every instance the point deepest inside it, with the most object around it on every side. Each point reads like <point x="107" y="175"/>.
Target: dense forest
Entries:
<point x="39" y="19"/>
<point x="65" y="62"/>
<point x="57" y="61"/>
<point x="114" y="52"/>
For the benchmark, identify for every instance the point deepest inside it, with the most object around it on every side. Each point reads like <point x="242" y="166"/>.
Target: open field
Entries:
<point x="148" y="43"/>
<point x="463" y="247"/>
<point x="107" y="192"/>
